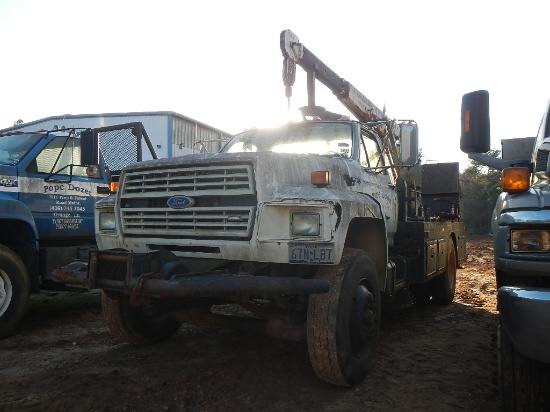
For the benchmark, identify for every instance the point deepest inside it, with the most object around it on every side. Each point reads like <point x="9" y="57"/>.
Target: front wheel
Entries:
<point x="15" y="289"/>
<point x="137" y="325"/>
<point x="343" y="325"/>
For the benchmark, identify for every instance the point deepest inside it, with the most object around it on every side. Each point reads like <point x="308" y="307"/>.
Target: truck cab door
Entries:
<point x="60" y="193"/>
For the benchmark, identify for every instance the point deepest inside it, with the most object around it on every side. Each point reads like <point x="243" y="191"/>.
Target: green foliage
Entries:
<point x="480" y="189"/>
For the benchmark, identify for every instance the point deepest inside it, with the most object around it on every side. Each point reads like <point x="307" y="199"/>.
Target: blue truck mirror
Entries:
<point x="475" y="134"/>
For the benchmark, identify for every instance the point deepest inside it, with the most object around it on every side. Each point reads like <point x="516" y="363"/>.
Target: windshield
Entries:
<point x="320" y="138"/>
<point x="14" y="147"/>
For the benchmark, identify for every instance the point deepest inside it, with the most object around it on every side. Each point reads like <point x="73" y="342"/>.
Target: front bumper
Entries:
<point x="128" y="273"/>
<point x="525" y="315"/>
<point x="524" y="265"/>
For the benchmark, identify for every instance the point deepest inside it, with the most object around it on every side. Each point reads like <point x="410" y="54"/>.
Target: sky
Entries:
<point x="219" y="61"/>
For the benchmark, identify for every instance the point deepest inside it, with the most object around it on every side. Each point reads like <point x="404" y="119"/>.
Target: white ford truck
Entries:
<point x="307" y="228"/>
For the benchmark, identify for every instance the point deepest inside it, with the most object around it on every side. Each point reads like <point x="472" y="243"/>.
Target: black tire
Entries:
<point x="422" y="293"/>
<point x="523" y="382"/>
<point x="15" y="289"/>
<point x="443" y="287"/>
<point x="343" y="325"/>
<point x="137" y="325"/>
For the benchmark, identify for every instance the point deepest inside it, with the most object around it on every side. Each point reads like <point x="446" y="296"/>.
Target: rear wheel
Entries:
<point x="443" y="287"/>
<point x="137" y="325"/>
<point x="343" y="324"/>
<point x="15" y="289"/>
<point x="523" y="382"/>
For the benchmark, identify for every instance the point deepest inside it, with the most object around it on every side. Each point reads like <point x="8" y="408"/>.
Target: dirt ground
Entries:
<point x="62" y="358"/>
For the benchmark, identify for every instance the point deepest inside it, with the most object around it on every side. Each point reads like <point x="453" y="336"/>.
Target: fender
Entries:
<point x="523" y="310"/>
<point x="12" y="209"/>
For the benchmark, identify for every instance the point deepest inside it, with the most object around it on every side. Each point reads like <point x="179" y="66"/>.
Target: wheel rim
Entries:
<point x="362" y="320"/>
<point x="6" y="292"/>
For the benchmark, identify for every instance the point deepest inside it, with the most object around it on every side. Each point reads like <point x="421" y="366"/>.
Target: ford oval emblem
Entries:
<point x="180" y="202"/>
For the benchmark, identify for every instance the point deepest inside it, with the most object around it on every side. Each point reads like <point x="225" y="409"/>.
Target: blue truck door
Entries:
<point x="59" y="193"/>
<point x="9" y="185"/>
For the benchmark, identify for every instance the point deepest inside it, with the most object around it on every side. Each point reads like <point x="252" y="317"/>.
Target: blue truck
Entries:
<point x="521" y="234"/>
<point x="48" y="191"/>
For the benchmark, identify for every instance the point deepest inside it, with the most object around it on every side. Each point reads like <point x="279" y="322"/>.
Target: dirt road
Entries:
<point x="62" y="358"/>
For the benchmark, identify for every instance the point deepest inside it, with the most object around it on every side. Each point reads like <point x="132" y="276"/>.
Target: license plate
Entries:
<point x="303" y="252"/>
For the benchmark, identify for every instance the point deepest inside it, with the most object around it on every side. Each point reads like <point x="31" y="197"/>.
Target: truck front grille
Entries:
<point x="542" y="160"/>
<point x="223" y="202"/>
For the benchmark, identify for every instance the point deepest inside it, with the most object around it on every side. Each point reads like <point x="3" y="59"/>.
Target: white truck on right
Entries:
<point x="521" y="235"/>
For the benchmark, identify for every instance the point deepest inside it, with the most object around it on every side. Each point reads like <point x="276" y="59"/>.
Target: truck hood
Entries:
<point x="278" y="175"/>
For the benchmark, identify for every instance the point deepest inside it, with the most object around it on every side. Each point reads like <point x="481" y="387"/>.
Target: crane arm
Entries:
<point x="295" y="52"/>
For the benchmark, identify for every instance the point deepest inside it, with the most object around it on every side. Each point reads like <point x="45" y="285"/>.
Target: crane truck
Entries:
<point x="520" y="225"/>
<point x="47" y="197"/>
<point x="304" y="230"/>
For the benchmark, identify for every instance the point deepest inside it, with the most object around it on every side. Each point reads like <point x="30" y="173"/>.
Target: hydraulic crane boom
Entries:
<point x="295" y="52"/>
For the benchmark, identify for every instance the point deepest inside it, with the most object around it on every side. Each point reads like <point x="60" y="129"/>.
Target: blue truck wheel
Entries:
<point x="15" y="290"/>
<point x="523" y="381"/>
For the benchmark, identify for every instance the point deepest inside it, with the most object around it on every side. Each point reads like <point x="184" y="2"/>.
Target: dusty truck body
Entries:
<point x="521" y="234"/>
<point x="307" y="228"/>
<point x="47" y="203"/>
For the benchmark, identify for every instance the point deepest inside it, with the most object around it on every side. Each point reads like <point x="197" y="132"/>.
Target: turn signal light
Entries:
<point x="114" y="187"/>
<point x="467" y="121"/>
<point x="320" y="179"/>
<point x="515" y="179"/>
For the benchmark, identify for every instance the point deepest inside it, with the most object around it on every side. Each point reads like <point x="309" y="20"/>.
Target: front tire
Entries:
<point x="15" y="289"/>
<point x="137" y="325"/>
<point x="343" y="325"/>
<point x="523" y="382"/>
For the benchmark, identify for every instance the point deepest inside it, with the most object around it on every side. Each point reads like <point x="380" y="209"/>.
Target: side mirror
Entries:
<point x="475" y="134"/>
<point x="89" y="148"/>
<point x="408" y="140"/>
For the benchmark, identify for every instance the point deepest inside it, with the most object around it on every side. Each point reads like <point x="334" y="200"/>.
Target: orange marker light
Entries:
<point x="114" y="187"/>
<point x="320" y="179"/>
<point x="515" y="179"/>
<point x="467" y="121"/>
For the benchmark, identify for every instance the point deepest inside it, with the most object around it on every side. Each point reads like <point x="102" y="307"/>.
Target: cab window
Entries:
<point x="57" y="158"/>
<point x="371" y="155"/>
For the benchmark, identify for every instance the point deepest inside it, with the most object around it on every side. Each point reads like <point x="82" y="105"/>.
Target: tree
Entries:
<point x="480" y="189"/>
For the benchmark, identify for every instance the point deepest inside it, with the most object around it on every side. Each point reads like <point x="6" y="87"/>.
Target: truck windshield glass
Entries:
<point x="14" y="147"/>
<point x="325" y="139"/>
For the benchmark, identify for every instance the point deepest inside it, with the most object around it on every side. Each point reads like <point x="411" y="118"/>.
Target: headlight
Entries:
<point x="305" y="224"/>
<point x="530" y="241"/>
<point x="107" y="221"/>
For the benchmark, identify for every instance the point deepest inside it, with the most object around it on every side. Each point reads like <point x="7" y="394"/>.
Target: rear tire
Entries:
<point x="137" y="325"/>
<point x="15" y="289"/>
<point x="443" y="287"/>
<point x="523" y="382"/>
<point x="343" y="325"/>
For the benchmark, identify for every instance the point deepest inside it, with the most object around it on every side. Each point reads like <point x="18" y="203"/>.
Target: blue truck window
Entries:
<point x="57" y="156"/>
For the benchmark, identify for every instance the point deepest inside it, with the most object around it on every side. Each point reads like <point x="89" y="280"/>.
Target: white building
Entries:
<point x="171" y="134"/>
